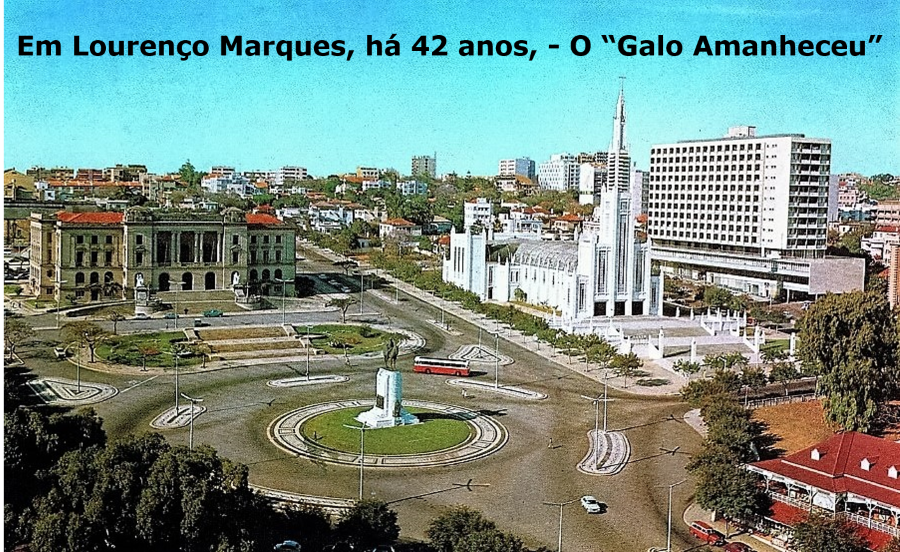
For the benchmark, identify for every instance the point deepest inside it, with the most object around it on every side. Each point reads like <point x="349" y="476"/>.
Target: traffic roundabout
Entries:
<point x="448" y="435"/>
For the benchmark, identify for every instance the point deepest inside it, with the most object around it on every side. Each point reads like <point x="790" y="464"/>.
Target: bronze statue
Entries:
<point x="391" y="350"/>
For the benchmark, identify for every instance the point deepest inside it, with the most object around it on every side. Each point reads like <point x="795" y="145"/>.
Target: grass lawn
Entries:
<point x="361" y="339"/>
<point x="240" y="333"/>
<point x="124" y="349"/>
<point x="776" y="345"/>
<point x="436" y="432"/>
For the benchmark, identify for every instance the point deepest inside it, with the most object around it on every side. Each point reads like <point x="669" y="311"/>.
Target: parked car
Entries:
<point x="288" y="545"/>
<point x="737" y="547"/>
<point x="213" y="313"/>
<point x="142" y="316"/>
<point x="171" y="315"/>
<point x="60" y="352"/>
<point x="592" y="505"/>
<point x="707" y="534"/>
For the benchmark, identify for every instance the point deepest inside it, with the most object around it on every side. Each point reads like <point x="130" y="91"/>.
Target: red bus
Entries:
<point x="445" y="366"/>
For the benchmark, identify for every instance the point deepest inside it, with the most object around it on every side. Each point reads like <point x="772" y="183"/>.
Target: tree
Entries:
<point x="753" y="377"/>
<point x="342" y="303"/>
<point x="491" y="540"/>
<point x="15" y="332"/>
<point x="850" y="342"/>
<point x="686" y="367"/>
<point x="145" y="351"/>
<point x="784" y="372"/>
<point x="85" y="334"/>
<point x="189" y="175"/>
<point x="717" y="297"/>
<point x="824" y="534"/>
<point x="369" y="523"/>
<point x="446" y="530"/>
<point x="626" y="365"/>
<point x="729" y="490"/>
<point x="115" y="317"/>
<point x="601" y="353"/>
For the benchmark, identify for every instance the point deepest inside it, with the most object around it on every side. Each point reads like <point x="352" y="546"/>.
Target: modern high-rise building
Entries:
<point x="561" y="172"/>
<point x="747" y="212"/>
<point x="424" y="165"/>
<point x="521" y="166"/>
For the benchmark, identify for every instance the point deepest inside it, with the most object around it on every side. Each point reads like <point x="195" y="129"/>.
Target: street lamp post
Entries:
<point x="175" y="356"/>
<point x="308" y="346"/>
<point x="59" y="284"/>
<point x="561" y="505"/>
<point x="176" y="285"/>
<point x="193" y="403"/>
<point x="362" y="453"/>
<point x="669" y="530"/>
<point x="283" y="312"/>
<point x="497" y="360"/>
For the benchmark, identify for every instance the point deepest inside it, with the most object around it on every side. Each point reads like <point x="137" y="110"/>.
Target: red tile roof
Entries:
<point x="888" y="229"/>
<point x="839" y="469"/>
<point x="398" y="222"/>
<point x="104" y="217"/>
<point x="260" y="218"/>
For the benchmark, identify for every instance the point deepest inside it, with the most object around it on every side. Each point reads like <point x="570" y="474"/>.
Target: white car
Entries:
<point x="592" y="505"/>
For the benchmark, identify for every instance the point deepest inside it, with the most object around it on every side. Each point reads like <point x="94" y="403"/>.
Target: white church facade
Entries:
<point x="603" y="271"/>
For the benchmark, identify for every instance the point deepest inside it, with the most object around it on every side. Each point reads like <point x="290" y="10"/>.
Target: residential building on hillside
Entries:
<point x="398" y="229"/>
<point x="887" y="213"/>
<point x="561" y="172"/>
<point x="424" y="165"/>
<point x="878" y="245"/>
<point x="516" y="184"/>
<point x="852" y="476"/>
<point x="228" y="183"/>
<point x="368" y="173"/>
<point x="521" y="166"/>
<point x="747" y="212"/>
<point x="412" y="187"/>
<point x="105" y="255"/>
<point x="478" y="211"/>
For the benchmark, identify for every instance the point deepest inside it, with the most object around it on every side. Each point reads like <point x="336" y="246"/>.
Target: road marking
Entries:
<point x="139" y="383"/>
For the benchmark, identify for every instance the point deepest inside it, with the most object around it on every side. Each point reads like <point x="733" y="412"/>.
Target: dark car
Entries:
<point x="213" y="313"/>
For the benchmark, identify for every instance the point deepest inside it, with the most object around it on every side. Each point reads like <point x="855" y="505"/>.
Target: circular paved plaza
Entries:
<point x="487" y="437"/>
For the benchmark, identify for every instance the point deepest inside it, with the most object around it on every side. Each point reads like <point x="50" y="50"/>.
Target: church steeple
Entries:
<point x="619" y="143"/>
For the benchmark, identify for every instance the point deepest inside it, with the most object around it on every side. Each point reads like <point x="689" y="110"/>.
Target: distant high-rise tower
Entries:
<point x="424" y="165"/>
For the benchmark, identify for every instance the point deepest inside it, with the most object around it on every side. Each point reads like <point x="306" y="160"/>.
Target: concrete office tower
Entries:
<point x="521" y="166"/>
<point x="424" y="165"/>
<point x="561" y="172"/>
<point x="747" y="212"/>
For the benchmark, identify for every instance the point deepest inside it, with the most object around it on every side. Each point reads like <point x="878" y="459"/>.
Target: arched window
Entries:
<point x="95" y="278"/>
<point x="266" y="275"/>
<point x="209" y="280"/>
<point x="278" y="274"/>
<point x="164" y="282"/>
<point x="187" y="281"/>
<point x="79" y="278"/>
<point x="107" y="277"/>
<point x="254" y="276"/>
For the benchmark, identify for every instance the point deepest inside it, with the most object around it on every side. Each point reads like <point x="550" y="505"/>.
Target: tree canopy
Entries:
<point x="850" y="342"/>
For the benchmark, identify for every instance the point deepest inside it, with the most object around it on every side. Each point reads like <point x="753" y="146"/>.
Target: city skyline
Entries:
<point x="330" y="115"/>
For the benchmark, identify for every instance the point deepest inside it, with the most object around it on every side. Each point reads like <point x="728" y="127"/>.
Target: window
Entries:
<point x="234" y="257"/>
<point x="252" y="239"/>
<point x="278" y="238"/>
<point x="277" y="255"/>
<point x="265" y="256"/>
<point x="94" y="256"/>
<point x="139" y="239"/>
<point x="265" y="239"/>
<point x="235" y="239"/>
<point x="94" y="239"/>
<point x="108" y="258"/>
<point x="139" y="258"/>
<point x="79" y="239"/>
<point x="108" y="239"/>
<point x="79" y="258"/>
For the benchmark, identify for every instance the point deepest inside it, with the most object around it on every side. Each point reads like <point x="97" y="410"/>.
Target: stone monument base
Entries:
<point x="388" y="410"/>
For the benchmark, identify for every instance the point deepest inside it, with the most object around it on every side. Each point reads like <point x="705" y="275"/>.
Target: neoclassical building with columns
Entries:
<point x="105" y="255"/>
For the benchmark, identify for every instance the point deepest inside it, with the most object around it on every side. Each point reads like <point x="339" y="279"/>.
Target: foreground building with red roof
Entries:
<point x="852" y="475"/>
<point x="95" y="256"/>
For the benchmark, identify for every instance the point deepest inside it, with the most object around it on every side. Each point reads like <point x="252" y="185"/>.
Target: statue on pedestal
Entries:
<point x="388" y="410"/>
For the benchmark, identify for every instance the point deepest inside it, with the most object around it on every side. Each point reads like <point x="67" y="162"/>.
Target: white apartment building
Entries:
<point x="479" y="211"/>
<point x="228" y="183"/>
<point x="881" y="243"/>
<point x="561" y="172"/>
<point x="412" y="187"/>
<point x="747" y="212"/>
<point x="424" y="165"/>
<point x="522" y="166"/>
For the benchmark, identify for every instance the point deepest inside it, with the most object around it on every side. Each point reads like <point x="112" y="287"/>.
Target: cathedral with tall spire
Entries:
<point x="609" y="169"/>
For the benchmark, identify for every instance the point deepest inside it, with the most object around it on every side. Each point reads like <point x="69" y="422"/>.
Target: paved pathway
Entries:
<point x="169" y="420"/>
<point x="509" y="390"/>
<point x="488" y="437"/>
<point x="608" y="453"/>
<point x="70" y="393"/>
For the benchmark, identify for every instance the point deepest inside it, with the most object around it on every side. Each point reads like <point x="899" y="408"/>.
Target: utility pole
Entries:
<point x="193" y="403"/>
<point x="561" y="505"/>
<point x="362" y="453"/>
<point x="669" y="531"/>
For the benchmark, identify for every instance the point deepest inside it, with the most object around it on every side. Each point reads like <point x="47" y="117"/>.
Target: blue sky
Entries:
<point x="330" y="115"/>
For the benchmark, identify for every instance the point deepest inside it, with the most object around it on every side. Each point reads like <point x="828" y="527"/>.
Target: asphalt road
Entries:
<point x="519" y="478"/>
